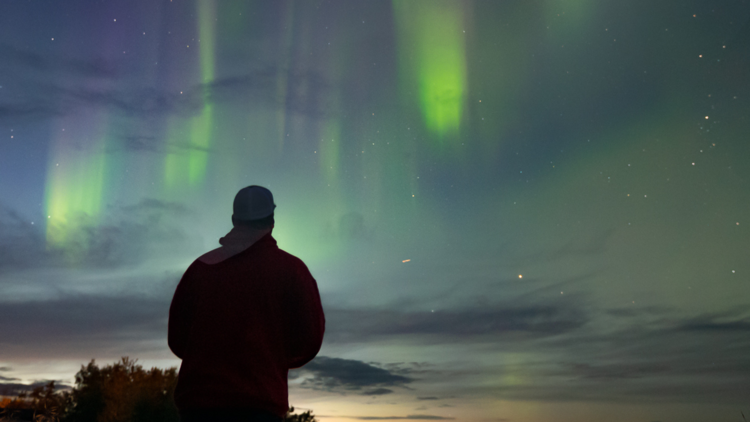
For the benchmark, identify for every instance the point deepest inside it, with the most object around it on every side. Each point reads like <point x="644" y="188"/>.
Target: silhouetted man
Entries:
<point x="241" y="317"/>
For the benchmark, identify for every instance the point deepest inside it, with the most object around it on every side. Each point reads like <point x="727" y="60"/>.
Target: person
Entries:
<point x="241" y="317"/>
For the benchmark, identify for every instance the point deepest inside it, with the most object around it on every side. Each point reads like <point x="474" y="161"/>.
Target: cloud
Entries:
<point x="355" y="325"/>
<point x="140" y="102"/>
<point x="409" y="417"/>
<point x="340" y="375"/>
<point x="21" y="244"/>
<point x="123" y="235"/>
<point x="587" y="243"/>
<point x="145" y="143"/>
<point x="377" y="392"/>
<point x="151" y="204"/>
<point x="635" y="312"/>
<point x="39" y="95"/>
<point x="651" y="356"/>
<point x="20" y="110"/>
<point x="101" y="301"/>
<point x="83" y="326"/>
<point x="717" y="323"/>
<point x="618" y="370"/>
<point x="660" y="357"/>
<point x="350" y="227"/>
<point x="307" y="91"/>
<point x="34" y="96"/>
<point x="48" y="63"/>
<point x="13" y="389"/>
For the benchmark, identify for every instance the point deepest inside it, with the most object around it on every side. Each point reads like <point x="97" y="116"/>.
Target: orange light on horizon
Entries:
<point x="406" y="260"/>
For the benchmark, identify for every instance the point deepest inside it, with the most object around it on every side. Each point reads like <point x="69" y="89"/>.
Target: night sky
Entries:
<point x="515" y="210"/>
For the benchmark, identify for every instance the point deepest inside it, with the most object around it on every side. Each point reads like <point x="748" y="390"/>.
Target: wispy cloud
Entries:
<point x="95" y="326"/>
<point x="377" y="392"/>
<point x="13" y="389"/>
<point x="46" y="63"/>
<point x="617" y="370"/>
<point x="656" y="355"/>
<point x="354" y="325"/>
<point x="153" y="144"/>
<point x="123" y="236"/>
<point x="24" y="109"/>
<point x="725" y="322"/>
<point x="20" y="243"/>
<point x="664" y="357"/>
<point x="343" y="375"/>
<point x="104" y="300"/>
<point x="408" y="417"/>
<point x="38" y="95"/>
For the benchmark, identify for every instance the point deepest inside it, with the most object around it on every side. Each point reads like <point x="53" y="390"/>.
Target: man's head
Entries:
<point x="253" y="207"/>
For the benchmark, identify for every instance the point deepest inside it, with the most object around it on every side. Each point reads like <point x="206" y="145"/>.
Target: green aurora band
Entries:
<point x="432" y="56"/>
<point x="75" y="186"/>
<point x="192" y="167"/>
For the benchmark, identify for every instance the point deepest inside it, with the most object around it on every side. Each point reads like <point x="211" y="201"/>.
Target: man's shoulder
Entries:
<point x="214" y="256"/>
<point x="288" y="258"/>
<point x="266" y="251"/>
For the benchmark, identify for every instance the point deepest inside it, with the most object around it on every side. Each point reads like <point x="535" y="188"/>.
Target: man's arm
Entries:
<point x="180" y="317"/>
<point x="306" y="319"/>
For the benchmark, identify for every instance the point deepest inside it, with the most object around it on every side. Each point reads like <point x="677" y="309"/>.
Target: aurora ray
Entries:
<point x="433" y="58"/>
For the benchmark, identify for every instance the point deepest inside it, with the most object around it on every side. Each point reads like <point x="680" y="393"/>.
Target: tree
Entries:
<point x="47" y="403"/>
<point x="42" y="404"/>
<point x="120" y="392"/>
<point x="123" y="392"/>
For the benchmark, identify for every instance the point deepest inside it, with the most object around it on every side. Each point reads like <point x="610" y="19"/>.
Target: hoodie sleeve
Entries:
<point x="307" y="321"/>
<point x="180" y="316"/>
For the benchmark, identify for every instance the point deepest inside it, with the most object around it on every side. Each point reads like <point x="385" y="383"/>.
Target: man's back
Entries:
<point x="239" y="325"/>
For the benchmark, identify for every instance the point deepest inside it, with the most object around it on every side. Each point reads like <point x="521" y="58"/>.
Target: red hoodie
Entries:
<point x="239" y="325"/>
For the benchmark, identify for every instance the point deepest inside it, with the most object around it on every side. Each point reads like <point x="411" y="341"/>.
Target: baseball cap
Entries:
<point x="253" y="203"/>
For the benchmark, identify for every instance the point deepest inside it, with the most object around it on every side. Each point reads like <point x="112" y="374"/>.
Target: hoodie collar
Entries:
<point x="237" y="240"/>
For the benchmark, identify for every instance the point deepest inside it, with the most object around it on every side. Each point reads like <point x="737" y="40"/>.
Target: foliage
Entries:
<point x="120" y="392"/>
<point x="302" y="417"/>
<point x="16" y="403"/>
<point x="46" y="404"/>
<point x="123" y="392"/>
